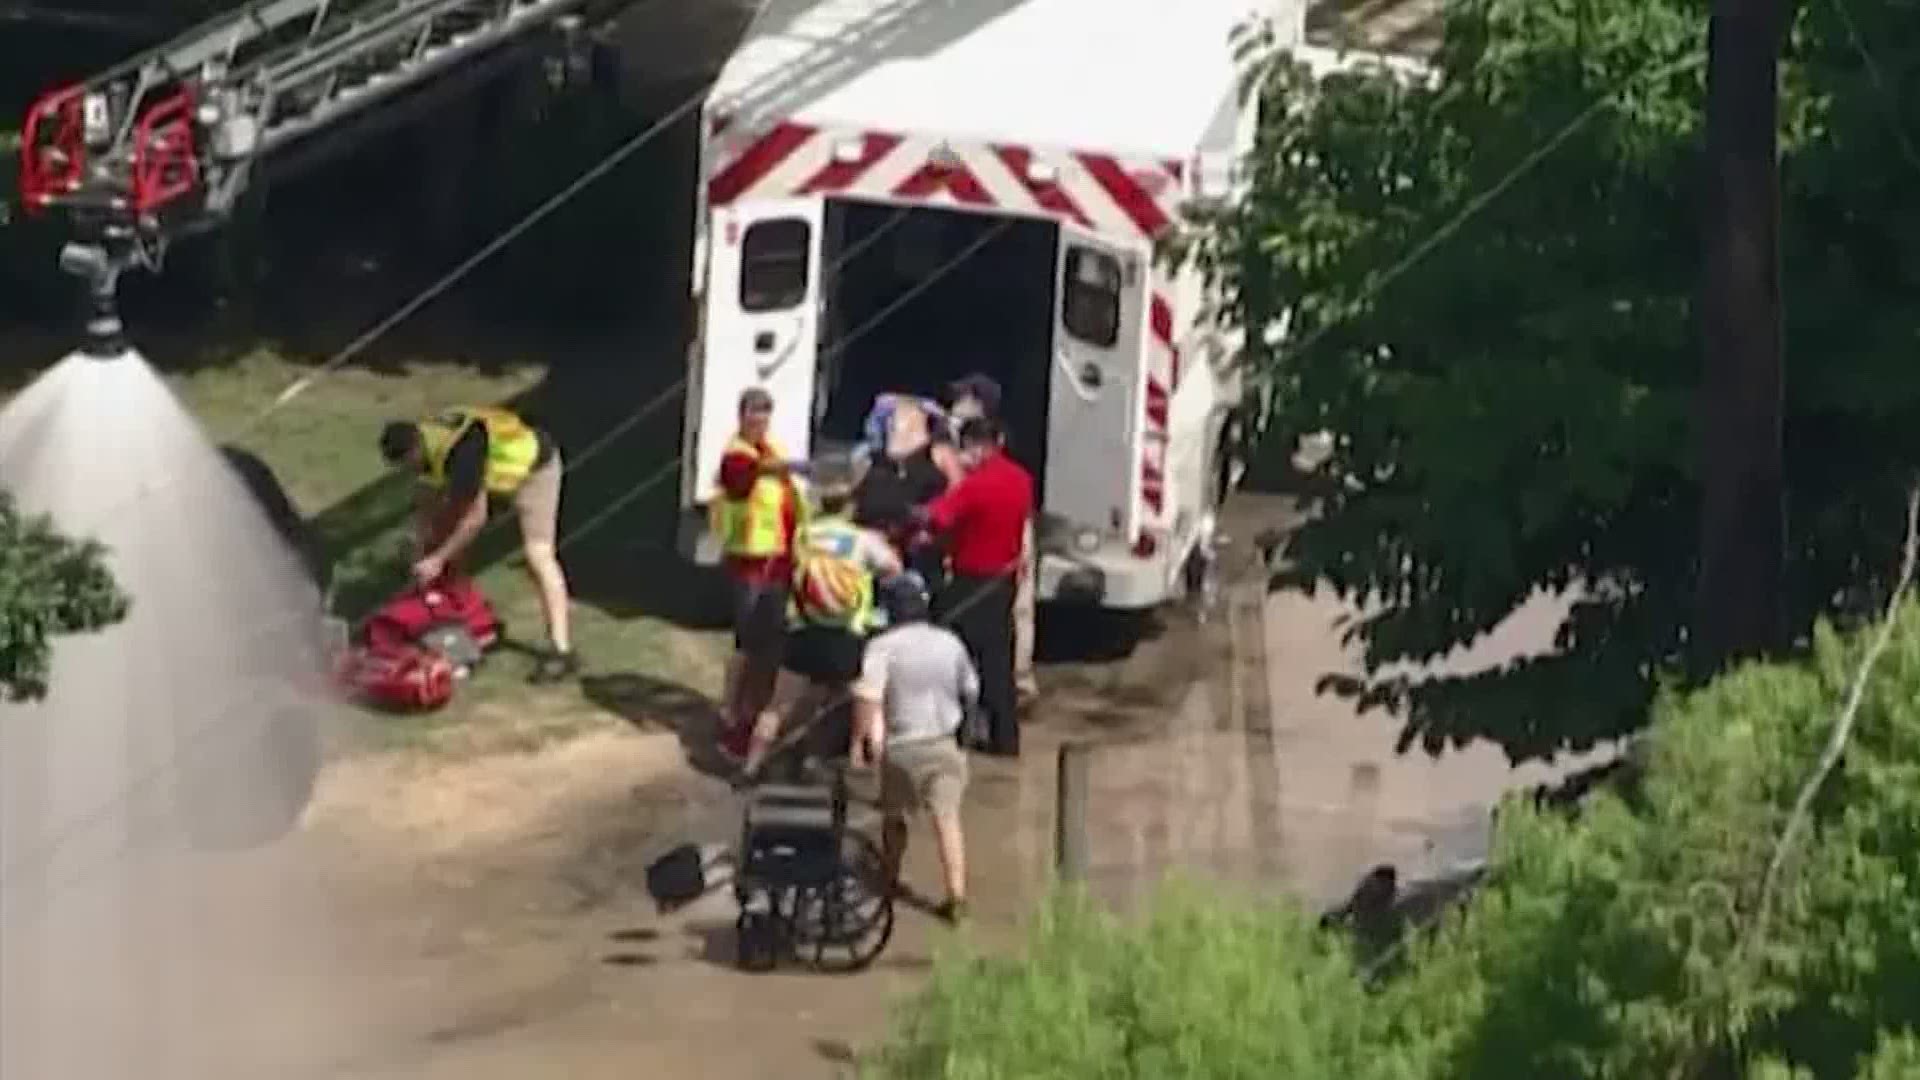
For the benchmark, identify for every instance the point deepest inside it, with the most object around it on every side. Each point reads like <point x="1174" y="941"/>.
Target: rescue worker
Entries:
<point x="979" y="396"/>
<point x="985" y="517"/>
<point x="464" y="456"/>
<point x="755" y="515"/>
<point x="830" y="611"/>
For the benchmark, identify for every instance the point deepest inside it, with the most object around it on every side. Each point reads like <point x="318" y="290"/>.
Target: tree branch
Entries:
<point x="1842" y="730"/>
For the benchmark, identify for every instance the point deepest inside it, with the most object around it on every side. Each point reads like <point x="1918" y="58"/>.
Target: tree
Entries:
<point x="1626" y="942"/>
<point x="49" y="586"/>
<point x="1741" y="399"/>
<point x="1491" y="288"/>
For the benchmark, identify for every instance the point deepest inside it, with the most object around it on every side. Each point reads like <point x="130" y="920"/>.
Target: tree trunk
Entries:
<point x="1742" y="390"/>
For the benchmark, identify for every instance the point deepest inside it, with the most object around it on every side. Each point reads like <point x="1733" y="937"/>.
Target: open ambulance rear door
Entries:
<point x="760" y="327"/>
<point x="1092" y="489"/>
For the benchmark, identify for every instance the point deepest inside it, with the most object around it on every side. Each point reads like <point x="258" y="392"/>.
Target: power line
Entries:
<point x="606" y="164"/>
<point x="101" y="812"/>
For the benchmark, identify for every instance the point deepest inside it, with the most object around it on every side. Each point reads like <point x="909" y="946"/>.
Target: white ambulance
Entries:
<point x="898" y="193"/>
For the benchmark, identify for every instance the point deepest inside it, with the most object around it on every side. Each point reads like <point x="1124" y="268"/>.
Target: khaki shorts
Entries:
<point x="928" y="775"/>
<point x="538" y="503"/>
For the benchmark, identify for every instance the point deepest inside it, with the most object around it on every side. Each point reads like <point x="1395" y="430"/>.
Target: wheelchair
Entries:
<point x="811" y="887"/>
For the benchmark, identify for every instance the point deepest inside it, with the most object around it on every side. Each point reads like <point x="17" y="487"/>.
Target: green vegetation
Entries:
<point x="1628" y="943"/>
<point x="49" y="586"/>
<point x="1491" y="285"/>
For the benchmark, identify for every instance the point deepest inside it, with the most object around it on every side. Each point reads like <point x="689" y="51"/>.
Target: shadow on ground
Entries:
<point x="650" y="704"/>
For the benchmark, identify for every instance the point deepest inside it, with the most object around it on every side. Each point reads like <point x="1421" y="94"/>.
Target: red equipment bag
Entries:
<point x="406" y="618"/>
<point x="407" y="679"/>
<point x="391" y="669"/>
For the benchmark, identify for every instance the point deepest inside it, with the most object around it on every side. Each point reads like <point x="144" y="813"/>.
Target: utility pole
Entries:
<point x="1743" y="382"/>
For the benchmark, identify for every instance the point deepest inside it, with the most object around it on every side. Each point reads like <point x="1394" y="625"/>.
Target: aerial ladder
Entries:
<point x="164" y="144"/>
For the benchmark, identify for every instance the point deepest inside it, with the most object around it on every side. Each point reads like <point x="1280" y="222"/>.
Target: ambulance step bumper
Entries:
<point x="1115" y="579"/>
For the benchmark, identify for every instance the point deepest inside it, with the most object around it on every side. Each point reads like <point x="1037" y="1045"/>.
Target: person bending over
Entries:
<point x="462" y="458"/>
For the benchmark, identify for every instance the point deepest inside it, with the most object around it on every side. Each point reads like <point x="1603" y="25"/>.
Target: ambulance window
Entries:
<point x="773" y="264"/>
<point x="1090" y="296"/>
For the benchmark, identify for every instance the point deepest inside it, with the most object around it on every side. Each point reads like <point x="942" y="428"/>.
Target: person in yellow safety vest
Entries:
<point x="461" y="458"/>
<point x="830" y="610"/>
<point x="754" y="515"/>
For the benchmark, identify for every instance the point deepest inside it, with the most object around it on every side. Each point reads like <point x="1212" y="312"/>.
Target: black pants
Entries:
<point x="980" y="610"/>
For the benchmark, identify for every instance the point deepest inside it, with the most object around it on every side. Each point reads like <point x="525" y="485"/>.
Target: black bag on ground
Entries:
<point x="678" y="877"/>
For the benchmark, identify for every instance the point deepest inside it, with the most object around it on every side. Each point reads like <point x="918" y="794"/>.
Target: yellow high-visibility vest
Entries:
<point x="512" y="447"/>
<point x="755" y="527"/>
<point x="831" y="588"/>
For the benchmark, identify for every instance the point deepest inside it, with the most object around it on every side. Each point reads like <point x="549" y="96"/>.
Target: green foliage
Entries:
<point x="1626" y="944"/>
<point x="49" y="585"/>
<point x="1201" y="990"/>
<point x="1489" y="280"/>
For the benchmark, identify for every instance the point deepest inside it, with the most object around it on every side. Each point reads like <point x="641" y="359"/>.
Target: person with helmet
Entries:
<point x="464" y="456"/>
<point x="755" y="515"/>
<point x="830" y="608"/>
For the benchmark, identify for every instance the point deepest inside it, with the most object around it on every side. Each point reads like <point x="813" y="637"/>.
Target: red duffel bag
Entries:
<point x="408" y="618"/>
<point x="407" y="678"/>
<point x="416" y="647"/>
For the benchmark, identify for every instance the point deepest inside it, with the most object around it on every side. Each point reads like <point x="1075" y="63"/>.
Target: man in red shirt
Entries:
<point x="985" y="519"/>
<point x="756" y="514"/>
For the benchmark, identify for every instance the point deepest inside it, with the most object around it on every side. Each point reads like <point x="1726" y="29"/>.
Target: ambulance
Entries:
<point x="898" y="193"/>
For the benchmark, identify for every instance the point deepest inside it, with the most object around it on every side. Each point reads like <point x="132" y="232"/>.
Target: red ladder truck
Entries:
<point x="164" y="144"/>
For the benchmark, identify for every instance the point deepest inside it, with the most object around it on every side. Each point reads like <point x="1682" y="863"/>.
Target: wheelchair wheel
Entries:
<point x="757" y="941"/>
<point x="845" y="924"/>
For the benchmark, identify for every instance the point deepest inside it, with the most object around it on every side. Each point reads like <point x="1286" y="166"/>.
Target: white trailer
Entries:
<point x="895" y="193"/>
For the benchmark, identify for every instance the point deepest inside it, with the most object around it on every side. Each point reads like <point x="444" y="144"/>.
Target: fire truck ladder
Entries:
<point x="163" y="144"/>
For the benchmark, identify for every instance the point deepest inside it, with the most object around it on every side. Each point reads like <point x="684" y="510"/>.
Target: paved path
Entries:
<point x="1264" y="782"/>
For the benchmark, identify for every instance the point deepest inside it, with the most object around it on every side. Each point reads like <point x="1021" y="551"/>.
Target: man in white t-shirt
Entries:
<point x="916" y="685"/>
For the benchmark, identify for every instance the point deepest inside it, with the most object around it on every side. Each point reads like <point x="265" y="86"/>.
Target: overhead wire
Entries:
<point x="101" y="812"/>
<point x="599" y="170"/>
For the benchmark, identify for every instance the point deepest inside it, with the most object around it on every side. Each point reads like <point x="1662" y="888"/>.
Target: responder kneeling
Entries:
<point x="830" y="610"/>
<point x="462" y="457"/>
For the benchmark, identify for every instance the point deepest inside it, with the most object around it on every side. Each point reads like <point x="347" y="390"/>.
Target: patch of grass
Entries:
<point x="633" y="596"/>
<point x="320" y="446"/>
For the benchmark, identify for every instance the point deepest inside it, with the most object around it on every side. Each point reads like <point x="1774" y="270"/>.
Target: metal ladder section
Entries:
<point x="174" y="131"/>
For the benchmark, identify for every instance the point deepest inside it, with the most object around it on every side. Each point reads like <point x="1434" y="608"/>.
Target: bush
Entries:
<point x="1201" y="989"/>
<point x="1630" y="942"/>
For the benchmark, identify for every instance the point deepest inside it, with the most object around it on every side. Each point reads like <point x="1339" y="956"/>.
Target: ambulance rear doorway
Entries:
<point x="915" y="298"/>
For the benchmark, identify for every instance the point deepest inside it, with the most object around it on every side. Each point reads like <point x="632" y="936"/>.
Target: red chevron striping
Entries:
<point x="756" y="162"/>
<point x="1125" y="191"/>
<point x="1159" y="404"/>
<point x="931" y="179"/>
<point x="1162" y="318"/>
<point x="839" y="175"/>
<point x="1051" y="197"/>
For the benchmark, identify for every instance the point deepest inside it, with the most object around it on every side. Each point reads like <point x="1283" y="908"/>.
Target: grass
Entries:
<point x="320" y="445"/>
<point x="641" y="668"/>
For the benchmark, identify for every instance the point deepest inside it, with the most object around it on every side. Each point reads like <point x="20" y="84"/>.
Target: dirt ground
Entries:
<point x="487" y="914"/>
<point x="496" y="923"/>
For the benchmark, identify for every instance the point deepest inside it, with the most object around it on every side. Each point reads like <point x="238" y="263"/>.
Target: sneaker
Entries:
<point x="953" y="912"/>
<point x="555" y="667"/>
<point x="734" y="744"/>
